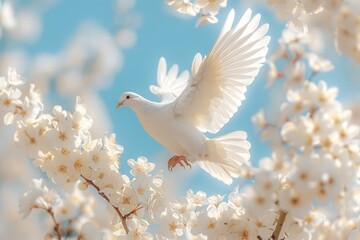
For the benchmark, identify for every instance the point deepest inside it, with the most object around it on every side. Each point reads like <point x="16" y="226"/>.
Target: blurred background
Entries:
<point x="99" y="49"/>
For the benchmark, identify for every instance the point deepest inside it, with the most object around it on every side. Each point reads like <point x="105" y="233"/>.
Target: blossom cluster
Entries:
<point x="70" y="213"/>
<point x="207" y="9"/>
<point x="81" y="67"/>
<point x="315" y="150"/>
<point x="14" y="105"/>
<point x="294" y="51"/>
<point x="312" y="15"/>
<point x="61" y="145"/>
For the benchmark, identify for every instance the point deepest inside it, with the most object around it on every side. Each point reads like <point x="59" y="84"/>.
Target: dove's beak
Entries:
<point x="119" y="104"/>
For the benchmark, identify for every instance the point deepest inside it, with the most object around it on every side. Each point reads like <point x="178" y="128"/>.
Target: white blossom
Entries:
<point x="172" y="226"/>
<point x="319" y="64"/>
<point x="205" y="19"/>
<point x="211" y="6"/>
<point x="138" y="229"/>
<point x="207" y="9"/>
<point x="39" y="196"/>
<point x="141" y="166"/>
<point x="197" y="199"/>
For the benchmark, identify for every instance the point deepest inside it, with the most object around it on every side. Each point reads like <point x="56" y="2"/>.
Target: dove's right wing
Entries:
<point x="170" y="85"/>
<point x="219" y="81"/>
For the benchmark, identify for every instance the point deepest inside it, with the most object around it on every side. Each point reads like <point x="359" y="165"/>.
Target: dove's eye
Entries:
<point x="127" y="97"/>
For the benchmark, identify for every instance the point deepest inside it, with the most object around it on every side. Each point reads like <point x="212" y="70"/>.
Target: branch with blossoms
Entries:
<point x="310" y="16"/>
<point x="66" y="211"/>
<point x="315" y="147"/>
<point x="40" y="197"/>
<point x="61" y="146"/>
<point x="206" y="9"/>
<point x="80" y="65"/>
<point x="122" y="218"/>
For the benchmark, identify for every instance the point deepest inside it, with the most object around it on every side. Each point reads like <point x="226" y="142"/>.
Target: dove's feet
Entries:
<point x="178" y="160"/>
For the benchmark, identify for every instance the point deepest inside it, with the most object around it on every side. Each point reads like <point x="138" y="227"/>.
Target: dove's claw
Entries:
<point x="171" y="163"/>
<point x="177" y="160"/>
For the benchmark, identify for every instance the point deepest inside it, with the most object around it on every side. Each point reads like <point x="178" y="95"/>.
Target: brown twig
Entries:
<point x="57" y="227"/>
<point x="279" y="224"/>
<point x="68" y="228"/>
<point x="122" y="217"/>
<point x="312" y="75"/>
<point x="133" y="212"/>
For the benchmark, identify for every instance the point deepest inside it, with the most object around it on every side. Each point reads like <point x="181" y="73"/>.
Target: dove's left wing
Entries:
<point x="218" y="82"/>
<point x="170" y="85"/>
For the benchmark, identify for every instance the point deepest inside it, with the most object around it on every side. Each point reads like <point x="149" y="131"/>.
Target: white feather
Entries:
<point x="226" y="156"/>
<point x="170" y="85"/>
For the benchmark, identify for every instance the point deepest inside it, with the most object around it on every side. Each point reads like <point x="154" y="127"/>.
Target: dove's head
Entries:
<point x="129" y="99"/>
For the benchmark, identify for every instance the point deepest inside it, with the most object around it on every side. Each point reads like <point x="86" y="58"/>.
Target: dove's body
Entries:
<point x="206" y="99"/>
<point x="173" y="132"/>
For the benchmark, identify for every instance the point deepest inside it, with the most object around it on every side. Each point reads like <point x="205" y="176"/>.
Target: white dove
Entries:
<point x="207" y="100"/>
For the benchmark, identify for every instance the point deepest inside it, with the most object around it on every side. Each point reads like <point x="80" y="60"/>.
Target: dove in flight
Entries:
<point x="205" y="100"/>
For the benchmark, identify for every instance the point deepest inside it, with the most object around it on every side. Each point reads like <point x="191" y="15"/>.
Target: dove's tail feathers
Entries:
<point x="226" y="156"/>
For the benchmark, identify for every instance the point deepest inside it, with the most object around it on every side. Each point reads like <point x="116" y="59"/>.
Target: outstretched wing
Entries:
<point x="218" y="82"/>
<point x="170" y="85"/>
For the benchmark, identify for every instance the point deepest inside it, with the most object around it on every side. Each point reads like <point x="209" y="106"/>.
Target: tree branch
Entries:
<point x="57" y="225"/>
<point x="68" y="228"/>
<point x="122" y="217"/>
<point x="279" y="224"/>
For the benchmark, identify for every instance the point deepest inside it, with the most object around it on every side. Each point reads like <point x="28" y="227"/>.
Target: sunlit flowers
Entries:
<point x="39" y="196"/>
<point x="207" y="9"/>
<point x="311" y="15"/>
<point x="307" y="186"/>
